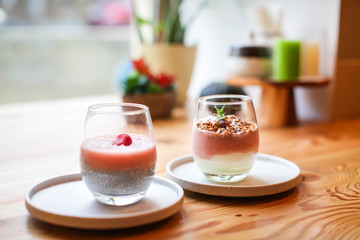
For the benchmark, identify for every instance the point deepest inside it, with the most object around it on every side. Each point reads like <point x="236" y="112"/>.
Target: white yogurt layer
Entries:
<point x="227" y="164"/>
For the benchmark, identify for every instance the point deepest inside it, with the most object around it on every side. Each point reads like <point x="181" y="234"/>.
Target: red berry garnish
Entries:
<point x="122" y="139"/>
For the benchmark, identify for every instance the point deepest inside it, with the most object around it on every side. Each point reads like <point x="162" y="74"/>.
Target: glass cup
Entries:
<point x="225" y="137"/>
<point x="118" y="153"/>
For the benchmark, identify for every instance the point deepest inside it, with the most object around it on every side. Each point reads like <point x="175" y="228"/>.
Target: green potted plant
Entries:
<point x="165" y="51"/>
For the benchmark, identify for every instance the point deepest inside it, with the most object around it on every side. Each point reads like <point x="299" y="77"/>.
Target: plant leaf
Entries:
<point x="172" y="23"/>
<point x="220" y="113"/>
<point x="142" y="21"/>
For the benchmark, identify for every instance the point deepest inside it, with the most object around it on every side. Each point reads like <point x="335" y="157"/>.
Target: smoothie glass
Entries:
<point x="118" y="153"/>
<point x="225" y="137"/>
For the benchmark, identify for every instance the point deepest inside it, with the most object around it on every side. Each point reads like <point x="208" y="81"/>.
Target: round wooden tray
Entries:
<point x="269" y="175"/>
<point x="65" y="201"/>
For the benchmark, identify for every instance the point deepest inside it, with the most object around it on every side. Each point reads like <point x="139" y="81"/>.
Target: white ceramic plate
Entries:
<point x="66" y="201"/>
<point x="269" y="175"/>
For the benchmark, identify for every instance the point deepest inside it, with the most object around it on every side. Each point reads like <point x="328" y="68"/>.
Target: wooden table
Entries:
<point x="41" y="140"/>
<point x="277" y="105"/>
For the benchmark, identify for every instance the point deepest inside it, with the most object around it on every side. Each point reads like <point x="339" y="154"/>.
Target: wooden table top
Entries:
<point x="41" y="140"/>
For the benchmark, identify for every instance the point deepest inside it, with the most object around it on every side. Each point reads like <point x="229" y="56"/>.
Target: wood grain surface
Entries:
<point x="41" y="140"/>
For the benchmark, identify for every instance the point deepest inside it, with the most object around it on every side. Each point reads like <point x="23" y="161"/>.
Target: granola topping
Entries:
<point x="228" y="126"/>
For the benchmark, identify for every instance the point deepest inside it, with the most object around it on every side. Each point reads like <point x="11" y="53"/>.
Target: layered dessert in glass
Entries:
<point x="225" y="139"/>
<point x="118" y="153"/>
<point x="118" y="170"/>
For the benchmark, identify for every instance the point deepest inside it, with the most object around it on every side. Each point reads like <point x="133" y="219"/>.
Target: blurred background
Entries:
<point x="61" y="48"/>
<point x="52" y="49"/>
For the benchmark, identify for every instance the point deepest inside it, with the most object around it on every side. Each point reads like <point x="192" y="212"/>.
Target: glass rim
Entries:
<point x="242" y="99"/>
<point x="101" y="108"/>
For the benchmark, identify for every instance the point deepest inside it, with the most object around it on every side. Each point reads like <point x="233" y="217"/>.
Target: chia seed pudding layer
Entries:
<point x="118" y="182"/>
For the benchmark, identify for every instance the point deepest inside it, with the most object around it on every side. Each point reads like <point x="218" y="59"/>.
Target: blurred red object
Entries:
<point x="162" y="79"/>
<point x="141" y="67"/>
<point x="165" y="80"/>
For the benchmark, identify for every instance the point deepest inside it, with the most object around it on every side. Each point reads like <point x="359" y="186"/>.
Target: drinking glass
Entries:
<point x="225" y="137"/>
<point x="118" y="153"/>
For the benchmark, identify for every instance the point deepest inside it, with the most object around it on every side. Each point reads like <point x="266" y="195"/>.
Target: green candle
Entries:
<point x="286" y="60"/>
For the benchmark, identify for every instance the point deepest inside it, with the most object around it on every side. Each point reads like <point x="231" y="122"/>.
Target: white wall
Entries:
<point x="218" y="26"/>
<point x="223" y="23"/>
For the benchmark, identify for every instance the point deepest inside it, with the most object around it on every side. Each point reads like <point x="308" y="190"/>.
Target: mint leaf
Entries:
<point x="220" y="113"/>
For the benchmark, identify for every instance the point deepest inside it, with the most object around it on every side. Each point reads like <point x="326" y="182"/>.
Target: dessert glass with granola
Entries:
<point x="225" y="137"/>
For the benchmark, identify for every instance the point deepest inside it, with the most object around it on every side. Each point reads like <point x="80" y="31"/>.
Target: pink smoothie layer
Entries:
<point x="99" y="153"/>
<point x="206" y="144"/>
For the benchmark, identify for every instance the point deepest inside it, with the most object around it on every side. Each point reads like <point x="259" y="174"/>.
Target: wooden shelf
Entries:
<point x="277" y="101"/>
<point x="313" y="82"/>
